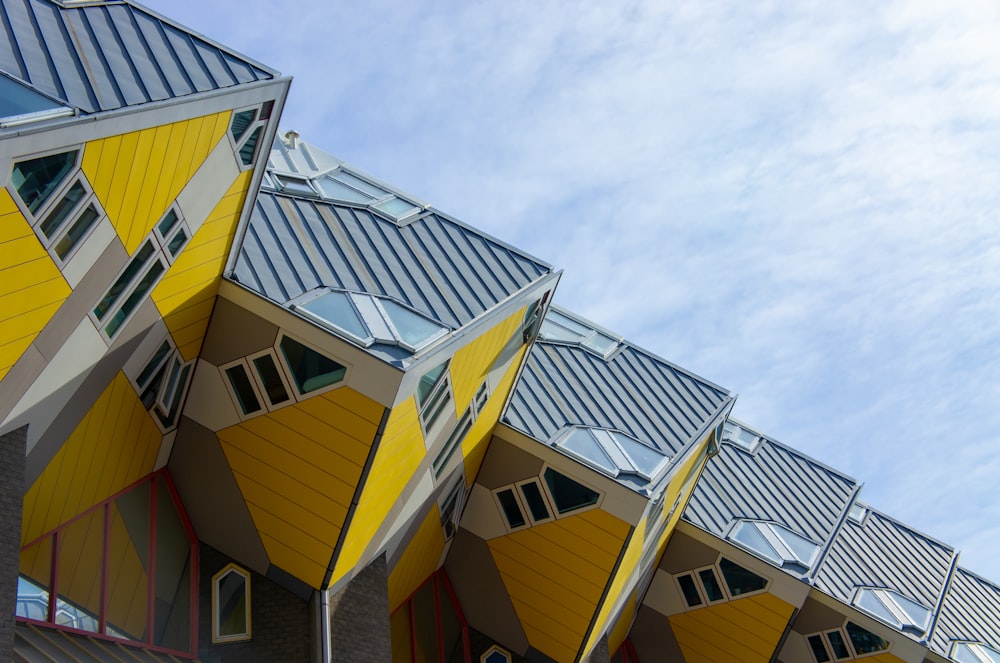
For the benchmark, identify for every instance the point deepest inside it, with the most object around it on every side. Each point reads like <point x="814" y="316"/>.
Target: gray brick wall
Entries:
<point x="11" y="497"/>
<point x="281" y="623"/>
<point x="359" y="618"/>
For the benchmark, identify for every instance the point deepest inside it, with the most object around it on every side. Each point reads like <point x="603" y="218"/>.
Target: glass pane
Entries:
<point x="711" y="585"/>
<point x="172" y="611"/>
<point x="747" y="534"/>
<point x="295" y="185"/>
<point x="582" y="443"/>
<point x="645" y="459"/>
<point x="337" y="309"/>
<point x="991" y="654"/>
<point x="802" y="548"/>
<point x="840" y="651"/>
<point x="397" y="207"/>
<point x="689" y="590"/>
<point x="864" y="641"/>
<point x="359" y="184"/>
<point x="153" y="364"/>
<point x="399" y="624"/>
<point x="740" y="580"/>
<point x="568" y="494"/>
<point x="271" y="377"/>
<point x="18" y="99"/>
<point x="76" y="232"/>
<point x="963" y="654"/>
<point x="168" y="222"/>
<point x="245" y="394"/>
<point x="132" y="302"/>
<point x="62" y="209"/>
<point x="81" y="547"/>
<point x="451" y="627"/>
<point x="231" y="603"/>
<point x="414" y="330"/>
<point x="128" y="564"/>
<point x="427" y="382"/>
<point x="310" y="369"/>
<point x="511" y="509"/>
<point x="425" y="625"/>
<point x="536" y="503"/>
<point x="241" y="122"/>
<point x="177" y="242"/>
<point x="558" y="327"/>
<point x="123" y="281"/>
<point x="33" y="582"/>
<point x="250" y="147"/>
<point x="917" y="613"/>
<point x="36" y="179"/>
<point x="818" y="648"/>
<point x="335" y="190"/>
<point x="867" y="600"/>
<point x="600" y="343"/>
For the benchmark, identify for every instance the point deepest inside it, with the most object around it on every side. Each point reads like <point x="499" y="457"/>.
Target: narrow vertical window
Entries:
<point x="270" y="378"/>
<point x="231" y="605"/>
<point x="537" y="507"/>
<point x="511" y="508"/>
<point x="243" y="389"/>
<point x="689" y="590"/>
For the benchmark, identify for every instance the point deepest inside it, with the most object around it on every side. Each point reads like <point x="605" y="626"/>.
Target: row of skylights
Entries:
<point x="368" y="319"/>
<point x="612" y="452"/>
<point x="344" y="186"/>
<point x="558" y="326"/>
<point x="971" y="652"/>
<point x="776" y="543"/>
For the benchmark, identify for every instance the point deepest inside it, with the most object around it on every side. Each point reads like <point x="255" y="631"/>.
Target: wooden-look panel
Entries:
<point x="186" y="295"/>
<point x="555" y="574"/>
<point x="398" y="457"/>
<point x="31" y="287"/>
<point x="472" y="362"/>
<point x="298" y="468"/>
<point x="113" y="446"/>
<point x="138" y="174"/>
<point x="419" y="560"/>
<point x="746" y="629"/>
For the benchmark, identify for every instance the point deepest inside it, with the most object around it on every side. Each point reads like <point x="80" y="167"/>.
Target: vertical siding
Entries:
<point x="471" y="363"/>
<point x="746" y="629"/>
<point x="31" y="287"/>
<point x="419" y="560"/>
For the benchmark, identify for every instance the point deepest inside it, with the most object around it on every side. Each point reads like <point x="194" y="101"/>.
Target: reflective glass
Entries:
<point x="310" y="369"/>
<point x="132" y="302"/>
<point x="536" y="503"/>
<point x="119" y="286"/>
<point x="397" y="207"/>
<point x="61" y="210"/>
<point x="992" y="654"/>
<point x="689" y="590"/>
<point x="740" y="580"/>
<point x="558" y="327"/>
<point x="81" y="547"/>
<point x="33" y="581"/>
<point x="243" y="389"/>
<point x="250" y="147"/>
<point x="568" y="494"/>
<point x="360" y="184"/>
<point x="179" y="239"/>
<point x="864" y="641"/>
<point x="802" y="548"/>
<point x="413" y="329"/>
<point x="76" y="232"/>
<point x="295" y="185"/>
<point x="838" y="645"/>
<point x="818" y="648"/>
<point x="241" y="122"/>
<point x="427" y="382"/>
<point x="274" y="387"/>
<point x="167" y="223"/>
<point x="963" y="654"/>
<point x="644" y="458"/>
<point x="511" y="509"/>
<point x="231" y="604"/>
<point x="917" y="613"/>
<point x="172" y="615"/>
<point x="128" y="563"/>
<point x="582" y="443"/>
<point x="337" y="309"/>
<point x="748" y="534"/>
<point x="18" y="99"/>
<point x="335" y="190"/>
<point x="868" y="601"/>
<point x="36" y="179"/>
<point x="712" y="589"/>
<point x="600" y="343"/>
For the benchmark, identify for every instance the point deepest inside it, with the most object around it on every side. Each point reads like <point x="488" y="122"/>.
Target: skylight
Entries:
<point x="741" y="437"/>
<point x="19" y="104"/>
<point x="347" y="187"/>
<point x="776" y="543"/>
<point x="612" y="452"/>
<point x="973" y="652"/>
<point x="558" y="326"/>
<point x="893" y="608"/>
<point x="369" y="319"/>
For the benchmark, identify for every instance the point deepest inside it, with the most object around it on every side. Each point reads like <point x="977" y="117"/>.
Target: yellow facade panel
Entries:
<point x="290" y="560"/>
<point x="623" y="624"/>
<point x="471" y="362"/>
<point x="305" y="541"/>
<point x="322" y="520"/>
<point x="556" y="640"/>
<point x="113" y="446"/>
<point x="419" y="560"/>
<point x="746" y="629"/>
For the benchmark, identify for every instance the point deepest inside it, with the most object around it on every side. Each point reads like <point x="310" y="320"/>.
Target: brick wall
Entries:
<point x="359" y="618"/>
<point x="11" y="497"/>
<point x="281" y="622"/>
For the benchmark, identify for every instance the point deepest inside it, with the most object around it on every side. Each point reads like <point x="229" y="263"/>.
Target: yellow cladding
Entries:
<point x="555" y="574"/>
<point x="883" y="658"/>
<point x="419" y="560"/>
<point x="624" y="623"/>
<point x="114" y="446"/>
<point x="625" y="572"/>
<point x="186" y="294"/>
<point x="471" y="363"/>
<point x="477" y="441"/>
<point x="137" y="175"/>
<point x="298" y="468"/>
<point x="398" y="456"/>
<point x="745" y="630"/>
<point x="31" y="287"/>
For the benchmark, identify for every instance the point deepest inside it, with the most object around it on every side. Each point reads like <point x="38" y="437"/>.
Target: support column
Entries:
<point x="12" y="446"/>
<point x="359" y="618"/>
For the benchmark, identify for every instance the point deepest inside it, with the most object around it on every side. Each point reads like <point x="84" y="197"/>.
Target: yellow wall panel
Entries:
<point x="31" y="287"/>
<point x="114" y="446"/>
<point x="398" y="456"/>
<point x="746" y="629"/>
<point x="471" y="363"/>
<point x="194" y="277"/>
<point x="137" y="175"/>
<point x="298" y="469"/>
<point x="623" y="624"/>
<point x="419" y="560"/>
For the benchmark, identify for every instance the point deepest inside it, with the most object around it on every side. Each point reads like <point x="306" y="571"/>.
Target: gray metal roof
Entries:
<point x="436" y="265"/>
<point x="971" y="612"/>
<point x="632" y="391"/>
<point x="883" y="552"/>
<point x="775" y="483"/>
<point x="111" y="55"/>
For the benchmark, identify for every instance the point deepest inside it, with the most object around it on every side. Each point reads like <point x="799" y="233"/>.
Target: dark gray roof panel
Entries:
<point x="882" y="552"/>
<point x="971" y="612"/>
<point x="775" y="483"/>
<point x="436" y="265"/>
<point x="113" y="55"/>
<point x="633" y="391"/>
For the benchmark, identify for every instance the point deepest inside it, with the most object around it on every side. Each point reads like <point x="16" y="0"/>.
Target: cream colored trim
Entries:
<point x="230" y="568"/>
<point x="208" y="401"/>
<point x="482" y="514"/>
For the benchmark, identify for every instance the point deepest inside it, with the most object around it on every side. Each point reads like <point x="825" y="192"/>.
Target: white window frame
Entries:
<point x="552" y="500"/>
<point x="520" y="505"/>
<point x="766" y="529"/>
<point x="730" y="435"/>
<point x="237" y="144"/>
<point x="164" y="240"/>
<point x="102" y="322"/>
<point x="216" y="626"/>
<point x="374" y="201"/>
<point x="885" y="596"/>
<point x="519" y="492"/>
<point x="436" y="405"/>
<point x="231" y="390"/>
<point x="975" y="648"/>
<point x="720" y="578"/>
<point x="853" y="655"/>
<point x="286" y="381"/>
<point x="287" y="370"/>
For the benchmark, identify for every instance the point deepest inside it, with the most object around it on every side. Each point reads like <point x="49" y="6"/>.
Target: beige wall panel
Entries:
<point x="663" y="595"/>
<point x="796" y="649"/>
<point x="815" y="616"/>
<point x="413" y="503"/>
<point x="207" y="186"/>
<point x="18" y="380"/>
<point x="505" y="463"/>
<point x="653" y="638"/>
<point x="166" y="446"/>
<point x="89" y="252"/>
<point x="208" y="401"/>
<point x="685" y="553"/>
<point x="235" y="332"/>
<point x="481" y="516"/>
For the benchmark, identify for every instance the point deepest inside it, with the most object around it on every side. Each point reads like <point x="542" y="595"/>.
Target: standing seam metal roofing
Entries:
<point x="113" y="55"/>
<point x="971" y="611"/>
<point x="633" y="391"/>
<point x="434" y="264"/>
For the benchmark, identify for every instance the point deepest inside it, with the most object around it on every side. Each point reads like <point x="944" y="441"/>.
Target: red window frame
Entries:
<point x="440" y="580"/>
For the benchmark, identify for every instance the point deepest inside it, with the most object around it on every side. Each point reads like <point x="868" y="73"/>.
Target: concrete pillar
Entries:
<point x="12" y="446"/>
<point x="359" y="618"/>
<point x="600" y="653"/>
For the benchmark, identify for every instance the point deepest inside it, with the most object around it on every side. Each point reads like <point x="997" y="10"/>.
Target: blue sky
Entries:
<point x="798" y="202"/>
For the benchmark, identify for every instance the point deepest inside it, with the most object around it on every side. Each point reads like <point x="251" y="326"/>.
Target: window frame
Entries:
<point x="232" y="567"/>
<point x="103" y="321"/>
<point x="374" y="202"/>
<point x="730" y="435"/>
<point x="720" y="579"/>
<point x="852" y="652"/>
<point x="283" y="365"/>
<point x="790" y="561"/>
<point x="165" y="239"/>
<point x="884" y="595"/>
<point x="974" y="649"/>
<point x="260" y="121"/>
<point x="435" y="404"/>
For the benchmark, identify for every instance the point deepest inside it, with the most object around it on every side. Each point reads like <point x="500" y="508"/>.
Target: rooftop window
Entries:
<point x="19" y="104"/>
<point x="973" y="652"/>
<point x="613" y="452"/>
<point x="741" y="437"/>
<point x="776" y="543"/>
<point x="894" y="609"/>
<point x="348" y="187"/>
<point x="368" y="319"/>
<point x="857" y="513"/>
<point x="558" y="326"/>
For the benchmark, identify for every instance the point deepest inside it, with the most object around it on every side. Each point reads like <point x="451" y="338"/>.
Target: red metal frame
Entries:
<point x="628" y="652"/>
<point x="440" y="579"/>
<point x="55" y="535"/>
